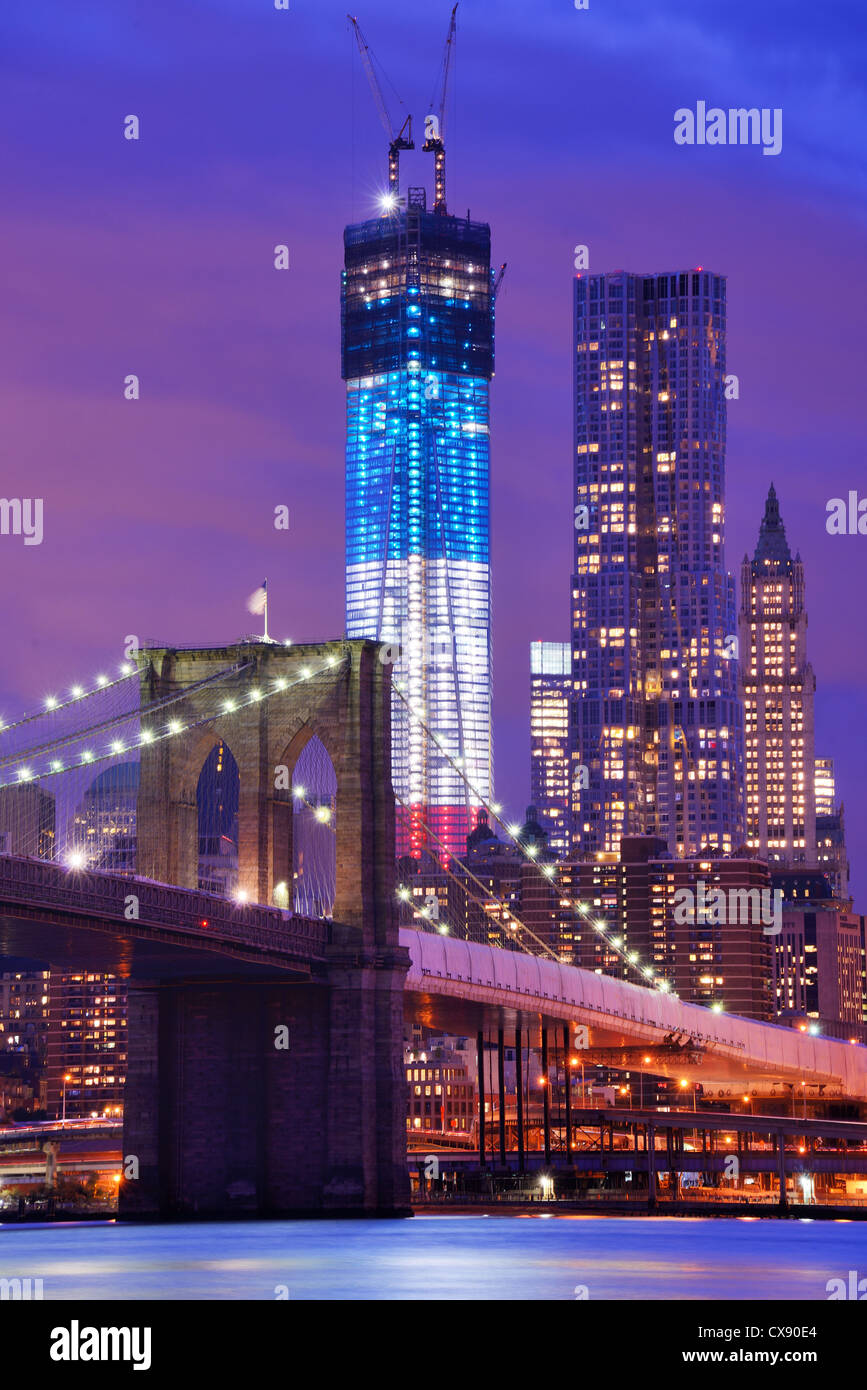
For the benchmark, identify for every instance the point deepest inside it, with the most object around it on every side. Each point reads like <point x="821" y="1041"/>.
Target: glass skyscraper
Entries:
<point x="550" y="700"/>
<point x="417" y="358"/>
<point x="657" y="722"/>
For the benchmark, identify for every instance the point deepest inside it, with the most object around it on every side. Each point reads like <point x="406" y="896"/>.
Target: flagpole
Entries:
<point x="266" y="638"/>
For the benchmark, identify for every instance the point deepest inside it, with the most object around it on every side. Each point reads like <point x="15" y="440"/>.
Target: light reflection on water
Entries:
<point x="441" y="1257"/>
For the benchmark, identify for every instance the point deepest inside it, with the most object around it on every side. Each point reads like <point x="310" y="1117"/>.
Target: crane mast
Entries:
<point x="435" y="123"/>
<point x="397" y="139"/>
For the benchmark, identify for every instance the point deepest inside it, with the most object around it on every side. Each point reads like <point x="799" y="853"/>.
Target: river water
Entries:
<point x="440" y="1257"/>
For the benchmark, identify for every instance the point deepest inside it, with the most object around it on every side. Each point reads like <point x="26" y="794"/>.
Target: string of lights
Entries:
<point x="404" y="894"/>
<point x="75" y="736"/>
<point x="612" y="938"/>
<point x="149" y="736"/>
<point x="77" y="695"/>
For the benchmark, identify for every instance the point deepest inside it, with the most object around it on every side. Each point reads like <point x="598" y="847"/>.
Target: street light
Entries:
<point x="66" y="1078"/>
<point x="683" y="1085"/>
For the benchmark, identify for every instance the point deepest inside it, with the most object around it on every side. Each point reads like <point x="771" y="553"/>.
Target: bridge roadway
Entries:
<point x="72" y="919"/>
<point x="462" y="987"/>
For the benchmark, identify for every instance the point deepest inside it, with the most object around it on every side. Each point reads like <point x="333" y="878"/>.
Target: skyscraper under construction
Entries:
<point x="417" y="319"/>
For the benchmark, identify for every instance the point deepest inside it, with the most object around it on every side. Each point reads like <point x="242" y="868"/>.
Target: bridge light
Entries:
<point x="147" y="736"/>
<point x="513" y="829"/>
<point x="332" y="661"/>
<point x="241" y="895"/>
<point x="228" y="707"/>
<point x="323" y="813"/>
<point x="87" y="756"/>
<point x="684" y="1083"/>
<point x="496" y="807"/>
<point x="632" y="957"/>
<point x="76" y="692"/>
<point x="548" y="870"/>
<point x="403" y="894"/>
<point x="117" y="746"/>
<point x="443" y="930"/>
<point x="56" y="766"/>
<point x="664" y="986"/>
<point x="51" y="702"/>
<point x="102" y="680"/>
<point x="77" y="859"/>
<point x="127" y="669"/>
<point x="24" y="774"/>
<point x="175" y="726"/>
<point x="280" y="683"/>
<point x="299" y="792"/>
<point x="255" y="694"/>
<point x="813" y="1029"/>
<point x="305" y="673"/>
<point x="716" y="1007"/>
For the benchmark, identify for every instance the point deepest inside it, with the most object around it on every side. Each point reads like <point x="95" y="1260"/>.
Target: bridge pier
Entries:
<point x="266" y="1099"/>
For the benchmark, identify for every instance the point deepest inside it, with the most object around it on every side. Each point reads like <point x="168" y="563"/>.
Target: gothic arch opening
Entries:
<point x="218" y="796"/>
<point x="314" y="831"/>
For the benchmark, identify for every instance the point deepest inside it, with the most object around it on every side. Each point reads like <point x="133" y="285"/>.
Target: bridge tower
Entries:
<point x="286" y="1093"/>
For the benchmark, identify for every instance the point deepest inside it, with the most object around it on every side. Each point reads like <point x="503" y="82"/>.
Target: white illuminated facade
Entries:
<point x="550" y="692"/>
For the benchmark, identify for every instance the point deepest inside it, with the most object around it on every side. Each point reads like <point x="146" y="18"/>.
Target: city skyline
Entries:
<point x="182" y="492"/>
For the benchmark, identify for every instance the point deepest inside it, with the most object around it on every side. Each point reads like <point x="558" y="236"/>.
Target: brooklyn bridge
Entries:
<point x="266" y="1067"/>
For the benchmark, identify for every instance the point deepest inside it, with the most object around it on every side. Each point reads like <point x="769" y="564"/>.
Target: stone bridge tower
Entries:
<point x="286" y="1093"/>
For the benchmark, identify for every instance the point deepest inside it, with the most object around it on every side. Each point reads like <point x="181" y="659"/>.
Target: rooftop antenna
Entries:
<point x="397" y="139"/>
<point x="434" y="124"/>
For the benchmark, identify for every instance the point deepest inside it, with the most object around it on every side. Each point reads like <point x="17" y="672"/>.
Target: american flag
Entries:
<point x="258" y="601"/>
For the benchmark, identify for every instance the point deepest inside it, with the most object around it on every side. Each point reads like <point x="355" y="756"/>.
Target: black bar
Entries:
<point x="480" y="1055"/>
<point x="501" y="1083"/>
<point x="546" y="1096"/>
<point x="567" y="1061"/>
<point x="519" y="1067"/>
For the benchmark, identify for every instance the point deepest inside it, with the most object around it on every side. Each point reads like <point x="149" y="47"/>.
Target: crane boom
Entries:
<point x="397" y="139"/>
<point x="435" y="123"/>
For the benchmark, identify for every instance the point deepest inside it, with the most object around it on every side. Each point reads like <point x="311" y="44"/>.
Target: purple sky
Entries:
<point x="257" y="127"/>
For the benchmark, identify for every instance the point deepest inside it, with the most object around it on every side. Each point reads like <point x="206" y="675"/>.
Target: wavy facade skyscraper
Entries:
<point x="657" y="721"/>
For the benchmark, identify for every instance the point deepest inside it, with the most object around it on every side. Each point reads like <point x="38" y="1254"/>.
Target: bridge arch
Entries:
<point x="267" y="702"/>
<point x="217" y="802"/>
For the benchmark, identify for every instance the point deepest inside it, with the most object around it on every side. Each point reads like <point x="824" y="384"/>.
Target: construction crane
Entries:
<point x="397" y="139"/>
<point x="499" y="280"/>
<point x="434" y="124"/>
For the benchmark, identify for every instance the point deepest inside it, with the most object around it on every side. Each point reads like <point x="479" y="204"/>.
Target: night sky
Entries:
<point x="257" y="127"/>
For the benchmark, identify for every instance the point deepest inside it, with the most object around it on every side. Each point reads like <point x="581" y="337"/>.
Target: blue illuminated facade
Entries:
<point x="417" y="357"/>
